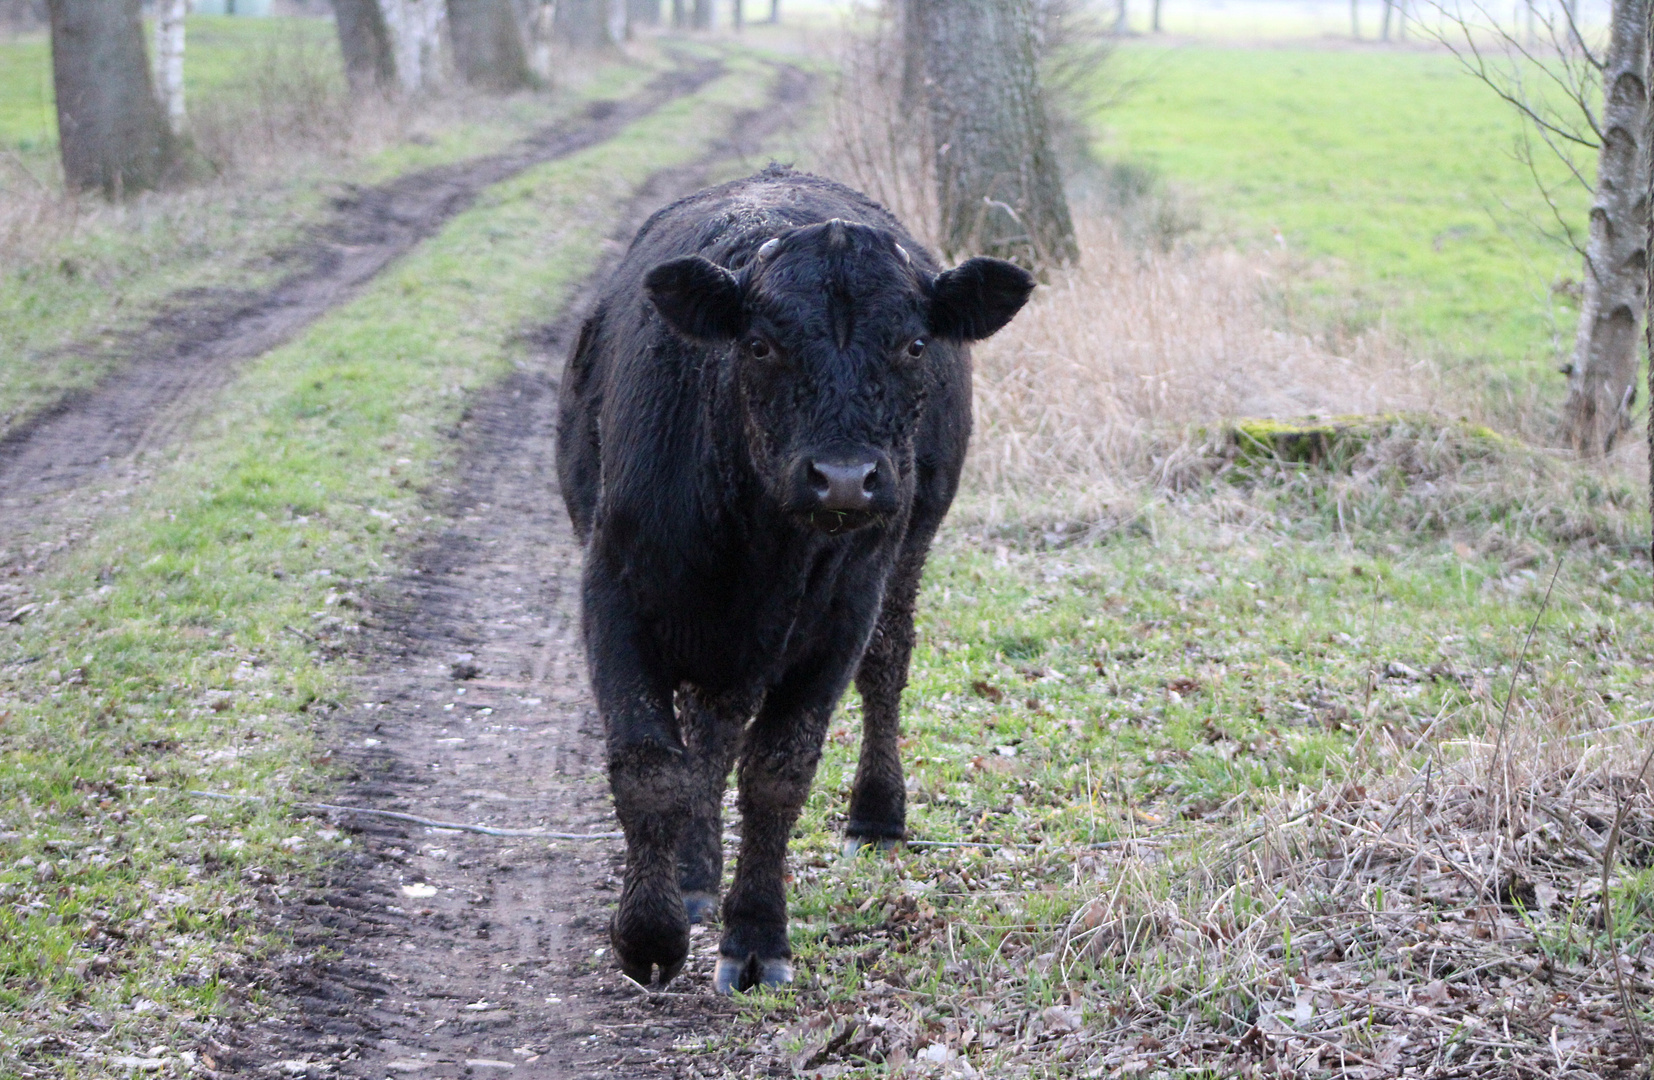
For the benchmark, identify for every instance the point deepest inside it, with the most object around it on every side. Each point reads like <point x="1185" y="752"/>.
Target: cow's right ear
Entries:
<point x="698" y="299"/>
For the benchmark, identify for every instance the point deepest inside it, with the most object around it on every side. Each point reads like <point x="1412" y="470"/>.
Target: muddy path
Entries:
<point x="62" y="466"/>
<point x="458" y="954"/>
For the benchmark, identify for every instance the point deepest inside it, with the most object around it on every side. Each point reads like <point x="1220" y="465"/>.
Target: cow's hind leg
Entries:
<point x="778" y="760"/>
<point x="712" y="735"/>
<point x="878" y="801"/>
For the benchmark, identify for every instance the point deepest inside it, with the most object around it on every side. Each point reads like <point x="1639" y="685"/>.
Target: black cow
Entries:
<point x="762" y="425"/>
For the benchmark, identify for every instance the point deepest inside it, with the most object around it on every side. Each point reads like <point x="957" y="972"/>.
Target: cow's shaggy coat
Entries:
<point x="762" y="424"/>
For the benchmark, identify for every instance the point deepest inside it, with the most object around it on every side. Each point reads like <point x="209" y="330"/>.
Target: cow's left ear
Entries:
<point x="698" y="298"/>
<point x="977" y="297"/>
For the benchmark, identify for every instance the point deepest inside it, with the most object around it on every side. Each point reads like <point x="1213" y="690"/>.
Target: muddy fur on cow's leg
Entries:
<point x="651" y="794"/>
<point x="878" y="801"/>
<point x="711" y="727"/>
<point x="778" y="761"/>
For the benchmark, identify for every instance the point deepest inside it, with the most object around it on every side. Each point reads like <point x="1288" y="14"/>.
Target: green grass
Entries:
<point x="1065" y="704"/>
<point x="1393" y="170"/>
<point x="28" y="118"/>
<point x="190" y="642"/>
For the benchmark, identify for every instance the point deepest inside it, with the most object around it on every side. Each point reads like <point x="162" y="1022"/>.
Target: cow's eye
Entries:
<point x="759" y="349"/>
<point x="916" y="348"/>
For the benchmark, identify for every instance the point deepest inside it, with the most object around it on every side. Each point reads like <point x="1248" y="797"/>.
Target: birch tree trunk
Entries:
<point x="703" y="14"/>
<point x="488" y="45"/>
<point x="998" y="182"/>
<point x="644" y="12"/>
<point x="112" y="133"/>
<point x="365" y="43"/>
<point x="583" y="24"/>
<point x="416" y="35"/>
<point x="912" y="16"/>
<point x="1648" y="280"/>
<point x="1602" y="380"/>
<point x="738" y="14"/>
<point x="169" y="60"/>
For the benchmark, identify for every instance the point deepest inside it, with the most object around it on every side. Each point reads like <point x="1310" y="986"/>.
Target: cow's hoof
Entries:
<point x="738" y="976"/>
<point x="701" y="907"/>
<point x="869" y="845"/>
<point x="643" y="974"/>
<point x="639" y="957"/>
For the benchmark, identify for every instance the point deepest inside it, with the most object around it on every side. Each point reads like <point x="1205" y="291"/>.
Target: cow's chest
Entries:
<point x="747" y="619"/>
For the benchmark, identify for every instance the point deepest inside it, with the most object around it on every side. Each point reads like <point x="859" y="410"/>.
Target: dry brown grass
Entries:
<point x="1468" y="914"/>
<point x="1117" y="373"/>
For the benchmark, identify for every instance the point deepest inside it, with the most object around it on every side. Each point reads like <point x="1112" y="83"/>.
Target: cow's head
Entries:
<point x="833" y="328"/>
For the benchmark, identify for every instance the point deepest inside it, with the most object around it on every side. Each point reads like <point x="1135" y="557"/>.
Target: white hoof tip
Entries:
<point x="855" y="846"/>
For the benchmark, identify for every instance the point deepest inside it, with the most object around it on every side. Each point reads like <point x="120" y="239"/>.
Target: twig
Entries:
<point x="414" y="819"/>
<point x="1098" y="845"/>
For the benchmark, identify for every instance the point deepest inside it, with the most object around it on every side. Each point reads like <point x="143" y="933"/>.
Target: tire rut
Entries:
<point x="170" y="366"/>
<point x="457" y="954"/>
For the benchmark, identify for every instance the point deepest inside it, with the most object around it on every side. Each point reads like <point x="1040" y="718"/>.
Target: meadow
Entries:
<point x="1389" y="175"/>
<point x="1223" y="758"/>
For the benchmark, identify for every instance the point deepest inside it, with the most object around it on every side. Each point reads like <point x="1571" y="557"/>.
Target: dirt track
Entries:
<point x="169" y="367"/>
<point x="499" y="965"/>
<point x="466" y="954"/>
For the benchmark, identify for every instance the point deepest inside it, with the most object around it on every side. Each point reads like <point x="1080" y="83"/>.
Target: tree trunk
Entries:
<point x="1154" y="21"/>
<point x="1355" y="19"/>
<point x="679" y="20"/>
<point x="775" y="11"/>
<point x="584" y="24"/>
<point x="112" y="133"/>
<point x="738" y="15"/>
<point x="1121" y="24"/>
<point x="1602" y="380"/>
<point x="365" y="43"/>
<point x="998" y="183"/>
<point x="488" y="45"/>
<point x="1384" y="29"/>
<point x="169" y="60"/>
<point x="644" y="12"/>
<point x="1648" y="281"/>
<point x="416" y="34"/>
<point x="914" y="94"/>
<point x="703" y="14"/>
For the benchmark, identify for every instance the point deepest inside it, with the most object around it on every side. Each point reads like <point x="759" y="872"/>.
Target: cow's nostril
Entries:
<point x="819" y="483"/>
<point x="870" y="482"/>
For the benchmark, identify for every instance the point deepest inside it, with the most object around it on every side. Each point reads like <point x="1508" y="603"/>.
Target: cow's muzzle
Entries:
<point x="846" y="491"/>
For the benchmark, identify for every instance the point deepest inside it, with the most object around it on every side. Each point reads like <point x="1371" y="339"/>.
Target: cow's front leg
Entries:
<point x="778" y="761"/>
<point x="712" y="733"/>
<point x="649" y="776"/>
<point x="878" y="801"/>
